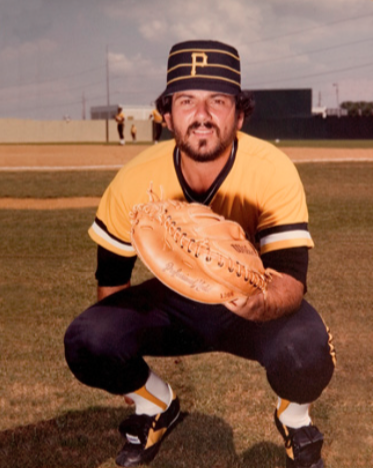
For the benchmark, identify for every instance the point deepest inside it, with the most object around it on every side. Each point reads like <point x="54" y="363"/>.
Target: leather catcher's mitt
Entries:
<point x="196" y="252"/>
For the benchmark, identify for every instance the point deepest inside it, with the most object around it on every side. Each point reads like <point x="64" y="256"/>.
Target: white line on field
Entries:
<point x="59" y="168"/>
<point x="118" y="166"/>
<point x="319" y="160"/>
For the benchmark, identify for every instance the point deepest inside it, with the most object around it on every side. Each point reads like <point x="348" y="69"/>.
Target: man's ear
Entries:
<point x="168" y="120"/>
<point x="240" y="120"/>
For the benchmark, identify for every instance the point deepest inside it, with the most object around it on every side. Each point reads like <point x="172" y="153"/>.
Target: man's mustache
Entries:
<point x="207" y="125"/>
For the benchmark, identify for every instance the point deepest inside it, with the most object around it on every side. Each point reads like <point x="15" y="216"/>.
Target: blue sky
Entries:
<point x="53" y="53"/>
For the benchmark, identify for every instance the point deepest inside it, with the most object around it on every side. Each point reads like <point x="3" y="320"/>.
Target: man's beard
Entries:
<point x="198" y="154"/>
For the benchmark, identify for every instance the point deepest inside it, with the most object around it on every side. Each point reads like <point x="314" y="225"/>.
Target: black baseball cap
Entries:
<point x="203" y="65"/>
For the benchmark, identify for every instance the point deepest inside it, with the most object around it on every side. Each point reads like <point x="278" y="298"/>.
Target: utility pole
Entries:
<point x="337" y="95"/>
<point x="107" y="94"/>
<point x="83" y="106"/>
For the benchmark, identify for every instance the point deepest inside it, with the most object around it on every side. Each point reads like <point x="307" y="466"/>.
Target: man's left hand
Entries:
<point x="282" y="297"/>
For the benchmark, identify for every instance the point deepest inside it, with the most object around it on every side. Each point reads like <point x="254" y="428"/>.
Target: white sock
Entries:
<point x="154" y="397"/>
<point x="292" y="414"/>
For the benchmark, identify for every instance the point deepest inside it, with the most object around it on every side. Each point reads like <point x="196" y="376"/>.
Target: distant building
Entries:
<point x="320" y="110"/>
<point x="130" y="112"/>
<point x="329" y="112"/>
<point x="336" y="112"/>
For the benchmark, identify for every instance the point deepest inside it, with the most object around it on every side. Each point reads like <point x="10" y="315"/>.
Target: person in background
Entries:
<point x="158" y="124"/>
<point x="133" y="132"/>
<point x="120" y="119"/>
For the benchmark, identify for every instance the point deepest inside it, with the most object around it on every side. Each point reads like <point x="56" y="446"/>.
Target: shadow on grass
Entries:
<point x="202" y="441"/>
<point x="81" y="439"/>
<point x="88" y="439"/>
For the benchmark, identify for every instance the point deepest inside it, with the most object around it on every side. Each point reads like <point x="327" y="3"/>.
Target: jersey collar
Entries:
<point x="204" y="198"/>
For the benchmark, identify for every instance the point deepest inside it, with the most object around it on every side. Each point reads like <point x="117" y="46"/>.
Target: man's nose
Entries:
<point x="202" y="111"/>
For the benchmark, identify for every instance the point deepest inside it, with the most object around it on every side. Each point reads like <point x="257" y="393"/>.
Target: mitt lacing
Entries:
<point x="199" y="248"/>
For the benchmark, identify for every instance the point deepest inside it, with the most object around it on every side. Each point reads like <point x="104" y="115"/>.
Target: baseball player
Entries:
<point x="120" y="119"/>
<point x="247" y="180"/>
<point x="157" y="119"/>
<point x="133" y="132"/>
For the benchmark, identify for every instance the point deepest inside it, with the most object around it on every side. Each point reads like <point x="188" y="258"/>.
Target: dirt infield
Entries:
<point x="81" y="157"/>
<point x="47" y="203"/>
<point x="96" y="157"/>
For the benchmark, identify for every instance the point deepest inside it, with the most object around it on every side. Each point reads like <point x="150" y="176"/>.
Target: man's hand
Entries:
<point x="283" y="297"/>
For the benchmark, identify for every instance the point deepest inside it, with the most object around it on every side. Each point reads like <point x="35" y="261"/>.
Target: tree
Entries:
<point x="358" y="108"/>
<point x="367" y="109"/>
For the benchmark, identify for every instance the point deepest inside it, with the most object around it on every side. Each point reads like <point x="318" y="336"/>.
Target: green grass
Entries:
<point x="50" y="184"/>
<point x="49" y="420"/>
<point x="54" y="184"/>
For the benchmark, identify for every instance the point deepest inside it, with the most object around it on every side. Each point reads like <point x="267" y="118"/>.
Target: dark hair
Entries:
<point x="244" y="103"/>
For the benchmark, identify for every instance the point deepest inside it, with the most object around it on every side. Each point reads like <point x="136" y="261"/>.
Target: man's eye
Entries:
<point x="219" y="101"/>
<point x="185" y="102"/>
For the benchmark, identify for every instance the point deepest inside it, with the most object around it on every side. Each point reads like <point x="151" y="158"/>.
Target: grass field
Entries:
<point x="49" y="420"/>
<point x="54" y="184"/>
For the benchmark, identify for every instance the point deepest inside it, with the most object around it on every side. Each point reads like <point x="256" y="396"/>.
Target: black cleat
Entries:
<point x="144" y="435"/>
<point x="303" y="445"/>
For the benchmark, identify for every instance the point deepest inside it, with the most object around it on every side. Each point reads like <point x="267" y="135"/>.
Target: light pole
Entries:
<point x="337" y="95"/>
<point x="107" y="94"/>
<point x="83" y="106"/>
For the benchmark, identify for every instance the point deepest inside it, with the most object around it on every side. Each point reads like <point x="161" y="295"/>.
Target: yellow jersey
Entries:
<point x="259" y="188"/>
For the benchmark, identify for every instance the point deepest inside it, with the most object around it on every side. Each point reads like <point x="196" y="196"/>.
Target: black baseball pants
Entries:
<point x="105" y="345"/>
<point x="120" y="128"/>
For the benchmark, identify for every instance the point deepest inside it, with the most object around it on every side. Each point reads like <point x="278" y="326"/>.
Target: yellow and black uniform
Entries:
<point x="259" y="188"/>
